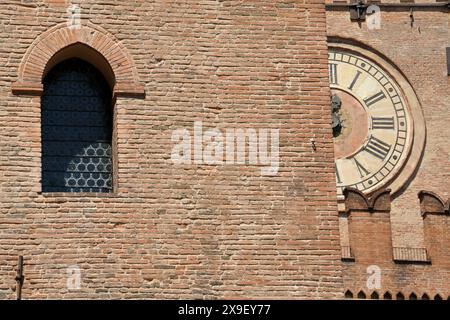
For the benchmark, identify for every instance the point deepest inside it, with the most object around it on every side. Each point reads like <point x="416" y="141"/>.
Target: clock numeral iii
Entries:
<point x="377" y="148"/>
<point x="333" y="73"/>
<point x="383" y="123"/>
<point x="374" y="99"/>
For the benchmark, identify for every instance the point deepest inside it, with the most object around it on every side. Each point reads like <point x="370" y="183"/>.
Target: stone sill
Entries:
<point x="83" y="195"/>
<point x="410" y="255"/>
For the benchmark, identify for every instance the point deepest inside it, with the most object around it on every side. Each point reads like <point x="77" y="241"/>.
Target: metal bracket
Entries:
<point x="358" y="11"/>
<point x="19" y="278"/>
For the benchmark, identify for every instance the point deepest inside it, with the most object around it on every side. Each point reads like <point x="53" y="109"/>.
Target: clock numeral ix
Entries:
<point x="333" y="73"/>
<point x="374" y="99"/>
<point x="383" y="123"/>
<point x="377" y="148"/>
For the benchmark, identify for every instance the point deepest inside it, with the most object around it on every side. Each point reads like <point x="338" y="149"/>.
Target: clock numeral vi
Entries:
<point x="377" y="148"/>
<point x="383" y="123"/>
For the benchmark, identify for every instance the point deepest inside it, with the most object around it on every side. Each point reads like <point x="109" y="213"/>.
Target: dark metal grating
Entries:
<point x="346" y="253"/>
<point x="447" y="50"/>
<point x="76" y="129"/>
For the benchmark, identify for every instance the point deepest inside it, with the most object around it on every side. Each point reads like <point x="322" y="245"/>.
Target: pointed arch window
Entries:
<point x="76" y="129"/>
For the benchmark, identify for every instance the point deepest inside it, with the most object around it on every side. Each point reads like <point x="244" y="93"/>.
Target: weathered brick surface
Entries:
<point x="406" y="271"/>
<point x="193" y="231"/>
<point x="417" y="48"/>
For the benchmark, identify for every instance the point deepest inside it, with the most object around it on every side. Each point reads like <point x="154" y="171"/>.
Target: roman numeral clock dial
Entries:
<point x="370" y="120"/>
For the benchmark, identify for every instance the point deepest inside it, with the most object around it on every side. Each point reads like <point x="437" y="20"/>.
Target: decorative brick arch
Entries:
<point x="356" y="200"/>
<point x="431" y="203"/>
<point x="90" y="42"/>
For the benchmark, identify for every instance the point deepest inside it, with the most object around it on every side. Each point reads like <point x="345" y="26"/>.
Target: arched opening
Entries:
<point x="387" y="296"/>
<point x="348" y="294"/>
<point x="86" y="53"/>
<point x="400" y="296"/>
<point x="76" y="129"/>
<point x="374" y="295"/>
<point x="437" y="297"/>
<point x="425" y="297"/>
<point x="361" y="295"/>
<point x="413" y="296"/>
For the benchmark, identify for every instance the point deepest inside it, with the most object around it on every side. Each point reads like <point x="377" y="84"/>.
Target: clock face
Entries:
<point x="372" y="126"/>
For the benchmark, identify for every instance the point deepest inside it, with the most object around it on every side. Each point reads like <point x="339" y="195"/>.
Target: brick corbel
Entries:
<point x="431" y="203"/>
<point x="23" y="88"/>
<point x="128" y="90"/>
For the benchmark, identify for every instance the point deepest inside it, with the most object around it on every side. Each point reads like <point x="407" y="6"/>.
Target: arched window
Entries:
<point x="76" y="129"/>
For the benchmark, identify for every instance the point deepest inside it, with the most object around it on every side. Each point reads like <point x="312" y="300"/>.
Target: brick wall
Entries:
<point x="408" y="271"/>
<point x="192" y="231"/>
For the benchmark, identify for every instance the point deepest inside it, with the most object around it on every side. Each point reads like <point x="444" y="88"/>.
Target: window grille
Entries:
<point x="76" y="129"/>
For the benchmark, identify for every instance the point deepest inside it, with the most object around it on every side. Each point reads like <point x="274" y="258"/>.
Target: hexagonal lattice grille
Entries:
<point x="76" y="130"/>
